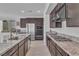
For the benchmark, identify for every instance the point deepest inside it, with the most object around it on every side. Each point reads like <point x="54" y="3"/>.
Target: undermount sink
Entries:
<point x="60" y="38"/>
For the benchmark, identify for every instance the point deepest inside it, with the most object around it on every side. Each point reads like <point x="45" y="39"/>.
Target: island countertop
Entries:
<point x="70" y="47"/>
<point x="6" y="46"/>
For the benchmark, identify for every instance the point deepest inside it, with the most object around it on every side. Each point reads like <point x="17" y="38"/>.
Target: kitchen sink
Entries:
<point x="60" y="38"/>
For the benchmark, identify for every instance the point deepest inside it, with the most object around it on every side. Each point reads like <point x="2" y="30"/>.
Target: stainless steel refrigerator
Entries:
<point x="30" y="28"/>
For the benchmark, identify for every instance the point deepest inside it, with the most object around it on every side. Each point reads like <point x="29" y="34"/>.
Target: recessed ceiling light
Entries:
<point x="38" y="11"/>
<point x="22" y="11"/>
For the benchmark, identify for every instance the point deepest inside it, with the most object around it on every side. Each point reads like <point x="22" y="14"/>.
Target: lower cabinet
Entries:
<point x="20" y="49"/>
<point x="16" y="53"/>
<point x="12" y="52"/>
<point x="48" y="42"/>
<point x="54" y="49"/>
<point x="61" y="51"/>
<point x="58" y="53"/>
<point x="26" y="45"/>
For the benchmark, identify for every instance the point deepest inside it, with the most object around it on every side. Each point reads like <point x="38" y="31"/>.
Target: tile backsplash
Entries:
<point x="72" y="31"/>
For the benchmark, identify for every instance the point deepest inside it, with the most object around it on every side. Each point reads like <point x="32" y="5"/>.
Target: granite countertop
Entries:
<point x="6" y="46"/>
<point x="70" y="47"/>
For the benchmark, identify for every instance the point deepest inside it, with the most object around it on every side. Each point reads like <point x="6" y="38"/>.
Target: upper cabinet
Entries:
<point x="72" y="14"/>
<point x="58" y="15"/>
<point x="5" y="26"/>
<point x="65" y="11"/>
<point x="61" y="13"/>
<point x="8" y="26"/>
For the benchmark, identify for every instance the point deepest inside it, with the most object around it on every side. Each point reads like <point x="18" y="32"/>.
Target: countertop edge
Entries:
<point x="12" y="45"/>
<point x="59" y="45"/>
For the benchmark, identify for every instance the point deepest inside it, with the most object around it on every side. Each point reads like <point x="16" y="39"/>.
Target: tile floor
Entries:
<point x="38" y="48"/>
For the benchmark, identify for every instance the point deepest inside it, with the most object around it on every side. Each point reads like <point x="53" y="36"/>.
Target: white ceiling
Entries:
<point x="29" y="9"/>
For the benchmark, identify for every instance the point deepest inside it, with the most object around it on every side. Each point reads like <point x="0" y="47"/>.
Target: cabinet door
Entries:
<point x="58" y="53"/>
<point x="52" y="50"/>
<point x="21" y="48"/>
<point x="48" y="43"/>
<point x="61" y="51"/>
<point x="73" y="14"/>
<point x="15" y="53"/>
<point x="26" y="45"/>
<point x="7" y="53"/>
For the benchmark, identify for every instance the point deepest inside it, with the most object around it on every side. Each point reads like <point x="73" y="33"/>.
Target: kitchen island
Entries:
<point x="18" y="47"/>
<point x="62" y="46"/>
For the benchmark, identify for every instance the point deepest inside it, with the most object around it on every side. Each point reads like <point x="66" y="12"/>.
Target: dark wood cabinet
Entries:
<point x="65" y="11"/>
<point x="12" y="52"/>
<point x="15" y="53"/>
<point x="58" y="15"/>
<point x="5" y="26"/>
<point x="54" y="49"/>
<point x="19" y="49"/>
<point x="61" y="51"/>
<point x="72" y="14"/>
<point x="51" y="46"/>
<point x="26" y="44"/>
<point x="58" y="53"/>
<point x="38" y="26"/>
